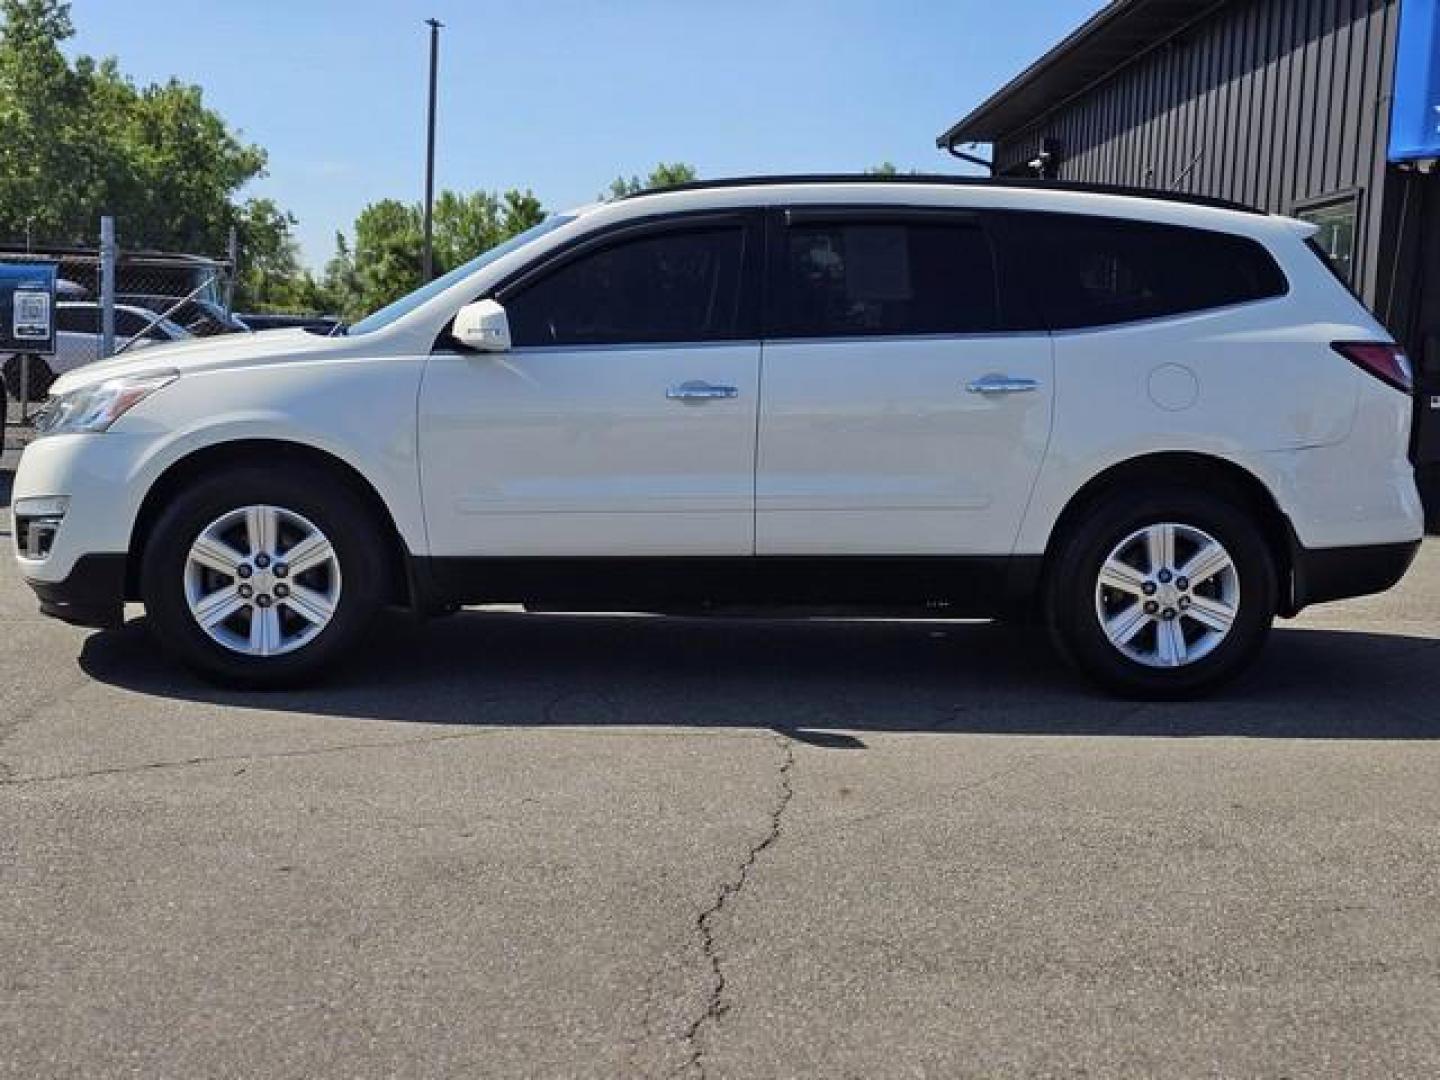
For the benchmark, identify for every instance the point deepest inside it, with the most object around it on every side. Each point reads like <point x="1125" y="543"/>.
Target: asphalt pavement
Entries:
<point x="502" y="844"/>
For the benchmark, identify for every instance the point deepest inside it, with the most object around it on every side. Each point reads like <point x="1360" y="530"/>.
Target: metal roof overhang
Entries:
<point x="1114" y="36"/>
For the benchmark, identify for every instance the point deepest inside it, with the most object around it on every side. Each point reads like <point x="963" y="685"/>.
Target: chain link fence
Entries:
<point x="110" y="301"/>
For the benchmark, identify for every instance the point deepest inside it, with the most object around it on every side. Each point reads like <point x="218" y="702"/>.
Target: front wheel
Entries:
<point x="259" y="577"/>
<point x="1162" y="595"/>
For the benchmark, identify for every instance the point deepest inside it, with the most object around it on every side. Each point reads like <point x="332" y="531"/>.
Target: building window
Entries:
<point x="1336" y="218"/>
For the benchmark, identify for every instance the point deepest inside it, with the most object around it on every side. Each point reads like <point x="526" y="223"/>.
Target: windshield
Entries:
<point x="408" y="303"/>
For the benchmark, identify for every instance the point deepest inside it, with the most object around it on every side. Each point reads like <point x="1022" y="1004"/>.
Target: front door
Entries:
<point x="898" y="416"/>
<point x="622" y="421"/>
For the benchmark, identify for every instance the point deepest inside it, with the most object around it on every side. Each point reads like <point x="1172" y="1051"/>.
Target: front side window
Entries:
<point x="672" y="286"/>
<point x="903" y="277"/>
<point x="1091" y="271"/>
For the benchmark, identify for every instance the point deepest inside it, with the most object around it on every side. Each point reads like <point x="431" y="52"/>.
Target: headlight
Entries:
<point x="95" y="408"/>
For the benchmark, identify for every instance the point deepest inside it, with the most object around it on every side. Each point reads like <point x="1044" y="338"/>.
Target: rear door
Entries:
<point x="900" y="412"/>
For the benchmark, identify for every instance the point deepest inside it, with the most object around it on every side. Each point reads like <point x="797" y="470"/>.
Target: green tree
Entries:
<point x="663" y="175"/>
<point x="466" y="225"/>
<point x="78" y="140"/>
<point x="174" y="168"/>
<point x="269" y="274"/>
<point x="340" y="281"/>
<point x="889" y="168"/>
<point x="388" y="256"/>
<point x="43" y="108"/>
<point x="386" y="260"/>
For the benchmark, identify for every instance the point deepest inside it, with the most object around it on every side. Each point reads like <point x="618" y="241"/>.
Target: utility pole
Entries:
<point x="232" y="251"/>
<point x="428" y="267"/>
<point x="108" y="258"/>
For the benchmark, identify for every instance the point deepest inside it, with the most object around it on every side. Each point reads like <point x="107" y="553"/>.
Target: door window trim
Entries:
<point x="747" y="220"/>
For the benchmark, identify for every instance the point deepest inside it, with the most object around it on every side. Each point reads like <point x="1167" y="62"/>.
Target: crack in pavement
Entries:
<point x="716" y="1006"/>
<point x="277" y="755"/>
<point x="380" y="744"/>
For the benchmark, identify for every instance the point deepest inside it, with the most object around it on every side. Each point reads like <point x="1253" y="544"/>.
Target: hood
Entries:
<point x="201" y="354"/>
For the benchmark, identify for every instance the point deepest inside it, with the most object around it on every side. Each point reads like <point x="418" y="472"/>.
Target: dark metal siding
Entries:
<point x="1270" y="102"/>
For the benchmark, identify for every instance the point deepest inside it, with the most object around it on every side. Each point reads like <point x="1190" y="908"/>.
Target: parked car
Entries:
<point x="78" y="342"/>
<point x="322" y="324"/>
<point x="200" y="318"/>
<point x="1153" y="422"/>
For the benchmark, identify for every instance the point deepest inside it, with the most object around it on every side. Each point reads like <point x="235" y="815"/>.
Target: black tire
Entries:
<point x="41" y="378"/>
<point x="1073" y="576"/>
<point x="318" y="496"/>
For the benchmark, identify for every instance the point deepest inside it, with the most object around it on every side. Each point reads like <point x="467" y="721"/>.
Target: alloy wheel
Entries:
<point x="262" y="581"/>
<point x="1167" y="595"/>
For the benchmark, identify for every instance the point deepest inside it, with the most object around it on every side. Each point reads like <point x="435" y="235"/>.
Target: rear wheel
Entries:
<point x="263" y="578"/>
<point x="1162" y="595"/>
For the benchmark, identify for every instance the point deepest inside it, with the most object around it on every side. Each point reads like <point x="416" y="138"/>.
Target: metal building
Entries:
<point x="1327" y="110"/>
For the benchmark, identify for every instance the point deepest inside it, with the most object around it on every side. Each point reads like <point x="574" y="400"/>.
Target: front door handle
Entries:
<point x="1001" y="384"/>
<point x="696" y="390"/>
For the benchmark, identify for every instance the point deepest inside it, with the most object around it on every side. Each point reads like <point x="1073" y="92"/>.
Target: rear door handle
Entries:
<point x="1001" y="384"/>
<point x="697" y="390"/>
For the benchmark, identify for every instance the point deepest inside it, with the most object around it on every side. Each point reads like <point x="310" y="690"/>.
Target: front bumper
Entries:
<point x="76" y="563"/>
<point x="101" y="478"/>
<point x="93" y="594"/>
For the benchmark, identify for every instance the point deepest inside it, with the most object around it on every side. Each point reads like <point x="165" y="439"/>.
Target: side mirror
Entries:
<point x="482" y="325"/>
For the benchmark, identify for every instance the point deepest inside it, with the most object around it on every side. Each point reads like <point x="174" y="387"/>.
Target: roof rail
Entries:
<point x="1025" y="183"/>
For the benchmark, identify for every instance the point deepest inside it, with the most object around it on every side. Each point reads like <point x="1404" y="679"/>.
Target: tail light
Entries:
<point x="1385" y="360"/>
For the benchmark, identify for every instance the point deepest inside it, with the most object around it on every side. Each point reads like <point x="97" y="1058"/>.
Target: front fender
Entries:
<point x="360" y="412"/>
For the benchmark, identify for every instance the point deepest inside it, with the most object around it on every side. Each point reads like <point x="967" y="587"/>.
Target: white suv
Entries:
<point x="1153" y="423"/>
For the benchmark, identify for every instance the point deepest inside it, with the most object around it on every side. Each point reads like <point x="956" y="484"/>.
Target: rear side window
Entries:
<point x="1090" y="271"/>
<point x="673" y="286"/>
<point x="837" y="279"/>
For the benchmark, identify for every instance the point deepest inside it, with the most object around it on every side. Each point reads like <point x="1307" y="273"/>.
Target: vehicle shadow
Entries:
<point x="814" y="679"/>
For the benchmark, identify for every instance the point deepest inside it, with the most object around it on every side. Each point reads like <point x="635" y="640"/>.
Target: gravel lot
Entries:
<point x="511" y="845"/>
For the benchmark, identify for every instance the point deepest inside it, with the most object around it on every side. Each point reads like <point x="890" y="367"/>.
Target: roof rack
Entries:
<point x="1026" y="183"/>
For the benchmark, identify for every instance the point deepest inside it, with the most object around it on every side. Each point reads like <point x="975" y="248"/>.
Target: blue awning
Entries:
<point x="1415" y="114"/>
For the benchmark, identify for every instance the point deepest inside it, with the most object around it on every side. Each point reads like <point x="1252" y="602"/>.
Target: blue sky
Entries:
<point x="563" y="95"/>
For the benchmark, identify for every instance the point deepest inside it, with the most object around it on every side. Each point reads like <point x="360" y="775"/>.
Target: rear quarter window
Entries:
<point x="1083" y="271"/>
